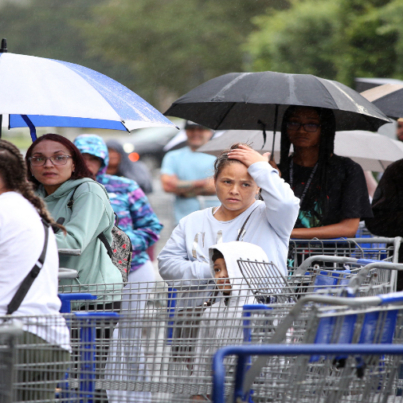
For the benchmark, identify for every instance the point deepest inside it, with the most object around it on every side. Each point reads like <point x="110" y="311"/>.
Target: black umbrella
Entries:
<point x="253" y="101"/>
<point x="388" y="98"/>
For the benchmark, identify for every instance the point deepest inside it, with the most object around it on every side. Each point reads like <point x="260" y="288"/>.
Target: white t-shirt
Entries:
<point x="22" y="239"/>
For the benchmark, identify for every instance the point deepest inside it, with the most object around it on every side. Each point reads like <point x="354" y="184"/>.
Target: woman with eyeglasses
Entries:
<point x="57" y="169"/>
<point x="332" y="189"/>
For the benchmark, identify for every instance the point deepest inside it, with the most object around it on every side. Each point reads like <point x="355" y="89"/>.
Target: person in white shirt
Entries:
<point x="22" y="238"/>
<point x="240" y="175"/>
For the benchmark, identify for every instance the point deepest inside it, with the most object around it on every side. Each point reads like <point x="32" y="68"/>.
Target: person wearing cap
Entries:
<point x="188" y="174"/>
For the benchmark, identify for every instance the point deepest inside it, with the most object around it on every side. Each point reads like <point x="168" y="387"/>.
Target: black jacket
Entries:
<point x="387" y="204"/>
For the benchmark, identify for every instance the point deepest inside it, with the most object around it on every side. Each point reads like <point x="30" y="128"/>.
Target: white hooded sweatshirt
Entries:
<point x="221" y="323"/>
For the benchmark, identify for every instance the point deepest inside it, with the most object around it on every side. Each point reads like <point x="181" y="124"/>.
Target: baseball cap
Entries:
<point x="189" y="124"/>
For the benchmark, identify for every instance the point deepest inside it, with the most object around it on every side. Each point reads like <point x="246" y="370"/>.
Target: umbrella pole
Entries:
<point x="274" y="132"/>
<point x="1" y="124"/>
<point x="31" y="126"/>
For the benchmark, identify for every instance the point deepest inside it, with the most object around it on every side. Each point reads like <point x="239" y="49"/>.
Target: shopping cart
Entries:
<point x="8" y="335"/>
<point x="376" y="386"/>
<point x="48" y="361"/>
<point x="375" y="248"/>
<point x="320" y="320"/>
<point x="156" y="349"/>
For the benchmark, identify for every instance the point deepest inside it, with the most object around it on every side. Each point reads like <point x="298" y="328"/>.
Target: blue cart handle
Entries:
<point x="277" y="349"/>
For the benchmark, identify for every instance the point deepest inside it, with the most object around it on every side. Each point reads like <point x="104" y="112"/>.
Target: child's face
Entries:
<point x="221" y="275"/>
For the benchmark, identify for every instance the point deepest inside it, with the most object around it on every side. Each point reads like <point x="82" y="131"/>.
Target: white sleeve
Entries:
<point x="174" y="262"/>
<point x="282" y="206"/>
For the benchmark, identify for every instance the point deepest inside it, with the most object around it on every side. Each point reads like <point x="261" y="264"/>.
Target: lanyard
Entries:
<point x="307" y="184"/>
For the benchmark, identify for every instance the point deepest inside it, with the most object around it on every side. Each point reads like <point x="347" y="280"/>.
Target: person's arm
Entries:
<point x="88" y="218"/>
<point x="281" y="205"/>
<point x="371" y="183"/>
<point x="345" y="228"/>
<point x="174" y="263"/>
<point x="171" y="184"/>
<point x="146" y="226"/>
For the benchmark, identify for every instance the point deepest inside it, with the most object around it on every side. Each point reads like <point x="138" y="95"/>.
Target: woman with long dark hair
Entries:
<point x="332" y="189"/>
<point x="62" y="179"/>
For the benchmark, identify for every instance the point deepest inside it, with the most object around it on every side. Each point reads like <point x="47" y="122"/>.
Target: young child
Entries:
<point x="221" y="323"/>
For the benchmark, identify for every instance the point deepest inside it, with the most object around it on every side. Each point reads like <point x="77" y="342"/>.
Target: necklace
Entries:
<point x="308" y="183"/>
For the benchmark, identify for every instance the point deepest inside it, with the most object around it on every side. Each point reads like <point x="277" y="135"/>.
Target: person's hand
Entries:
<point x="247" y="156"/>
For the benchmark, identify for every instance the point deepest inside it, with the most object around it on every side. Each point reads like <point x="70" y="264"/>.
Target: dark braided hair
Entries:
<point x="13" y="171"/>
<point x="319" y="186"/>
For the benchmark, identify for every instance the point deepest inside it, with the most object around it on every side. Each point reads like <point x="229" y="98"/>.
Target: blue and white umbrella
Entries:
<point x="39" y="92"/>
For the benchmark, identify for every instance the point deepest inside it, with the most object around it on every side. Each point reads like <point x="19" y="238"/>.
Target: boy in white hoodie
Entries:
<point x="221" y="323"/>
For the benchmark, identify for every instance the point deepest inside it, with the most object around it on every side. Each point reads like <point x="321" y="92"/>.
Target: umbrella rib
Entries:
<point x="225" y="115"/>
<point x="364" y="115"/>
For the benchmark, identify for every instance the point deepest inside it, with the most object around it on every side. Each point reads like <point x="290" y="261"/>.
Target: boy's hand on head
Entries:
<point x="247" y="156"/>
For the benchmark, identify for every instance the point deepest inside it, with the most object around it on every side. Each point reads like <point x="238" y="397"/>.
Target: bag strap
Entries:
<point x="103" y="239"/>
<point x="101" y="236"/>
<point x="71" y="201"/>
<point x="243" y="226"/>
<point x="32" y="275"/>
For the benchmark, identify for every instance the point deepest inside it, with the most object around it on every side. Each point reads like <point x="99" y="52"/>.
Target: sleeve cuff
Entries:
<point x="257" y="167"/>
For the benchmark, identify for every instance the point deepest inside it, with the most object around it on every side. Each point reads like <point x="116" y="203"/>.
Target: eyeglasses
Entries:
<point x="309" y="127"/>
<point x="56" y="160"/>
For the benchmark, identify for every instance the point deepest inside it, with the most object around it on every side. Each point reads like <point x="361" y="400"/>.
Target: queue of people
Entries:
<point x="260" y="205"/>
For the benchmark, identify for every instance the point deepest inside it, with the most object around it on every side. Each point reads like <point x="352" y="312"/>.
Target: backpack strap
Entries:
<point x="101" y="236"/>
<point x="32" y="275"/>
<point x="71" y="201"/>
<point x="243" y="226"/>
<point x="103" y="239"/>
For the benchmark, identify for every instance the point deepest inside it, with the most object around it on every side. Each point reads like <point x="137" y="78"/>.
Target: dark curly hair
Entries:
<point x="13" y="171"/>
<point x="80" y="168"/>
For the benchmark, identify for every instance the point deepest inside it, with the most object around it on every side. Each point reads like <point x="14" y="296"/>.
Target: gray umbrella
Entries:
<point x="388" y="98"/>
<point x="372" y="151"/>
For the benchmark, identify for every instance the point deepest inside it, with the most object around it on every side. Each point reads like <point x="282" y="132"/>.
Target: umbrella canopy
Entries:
<point x="372" y="151"/>
<point x="388" y="98"/>
<point x="39" y="92"/>
<point x="249" y="101"/>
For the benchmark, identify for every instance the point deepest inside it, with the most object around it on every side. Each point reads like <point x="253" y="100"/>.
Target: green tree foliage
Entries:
<point x="337" y="39"/>
<point x="392" y="14"/>
<point x="49" y="28"/>
<point x="369" y="49"/>
<point x="170" y="46"/>
<point x="301" y="39"/>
